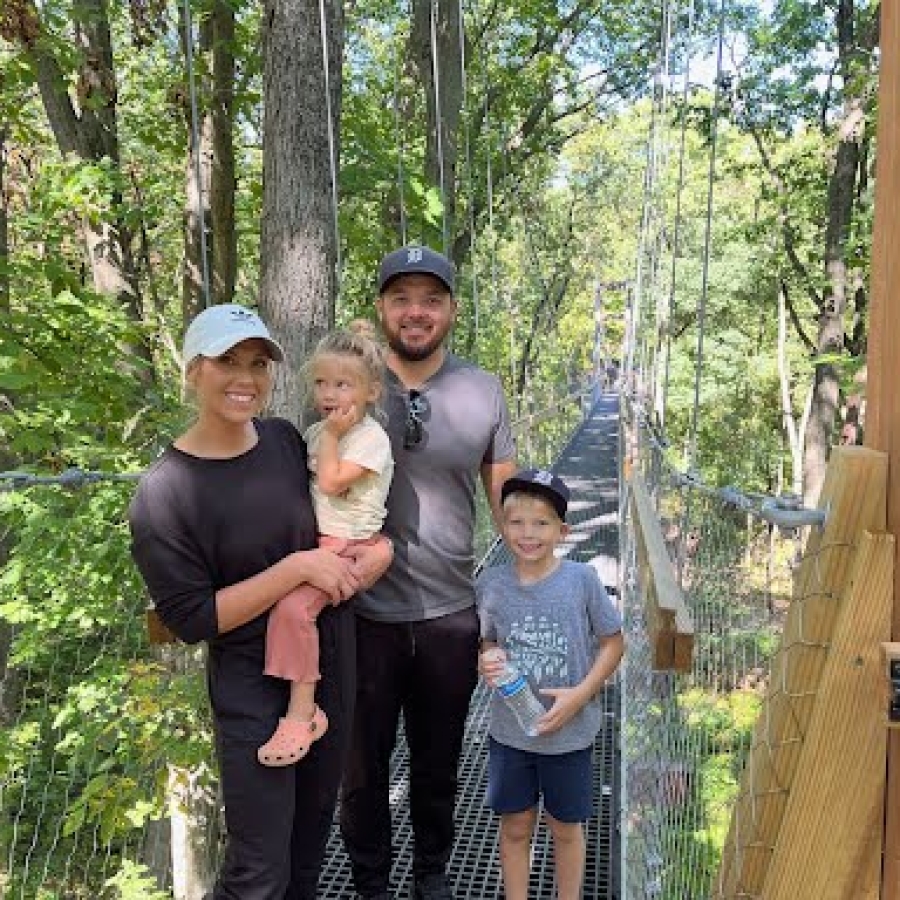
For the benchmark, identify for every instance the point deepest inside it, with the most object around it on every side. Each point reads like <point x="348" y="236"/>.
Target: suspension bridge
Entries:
<point x="747" y="731"/>
<point x="719" y="761"/>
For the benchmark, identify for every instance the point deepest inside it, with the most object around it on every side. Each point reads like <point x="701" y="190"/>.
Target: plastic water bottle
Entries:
<point x="516" y="692"/>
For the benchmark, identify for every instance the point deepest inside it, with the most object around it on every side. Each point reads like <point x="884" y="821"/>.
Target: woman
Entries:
<point x="222" y="528"/>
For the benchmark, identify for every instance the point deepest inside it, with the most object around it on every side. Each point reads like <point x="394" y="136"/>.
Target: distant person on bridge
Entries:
<point x="222" y="528"/>
<point x="553" y="621"/>
<point x="417" y="630"/>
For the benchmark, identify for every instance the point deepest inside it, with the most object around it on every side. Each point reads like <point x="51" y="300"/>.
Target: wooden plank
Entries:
<point x="669" y="621"/>
<point x="854" y="496"/>
<point x="833" y="811"/>
<point x="882" y="397"/>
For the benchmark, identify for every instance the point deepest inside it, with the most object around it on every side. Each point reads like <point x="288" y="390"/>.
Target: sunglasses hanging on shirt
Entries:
<point x="417" y="410"/>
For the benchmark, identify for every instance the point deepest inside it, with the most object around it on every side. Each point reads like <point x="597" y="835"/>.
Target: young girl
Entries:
<point x="351" y="466"/>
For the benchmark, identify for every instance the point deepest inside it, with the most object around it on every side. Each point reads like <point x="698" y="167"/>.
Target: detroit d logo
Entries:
<point x="414" y="255"/>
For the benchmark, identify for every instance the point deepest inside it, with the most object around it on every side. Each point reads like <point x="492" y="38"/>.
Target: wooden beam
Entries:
<point x="854" y="497"/>
<point x="157" y="632"/>
<point x="833" y="814"/>
<point x="669" y="622"/>
<point x="882" y="431"/>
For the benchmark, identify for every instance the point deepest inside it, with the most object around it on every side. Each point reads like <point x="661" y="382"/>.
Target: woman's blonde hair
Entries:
<point x="354" y="345"/>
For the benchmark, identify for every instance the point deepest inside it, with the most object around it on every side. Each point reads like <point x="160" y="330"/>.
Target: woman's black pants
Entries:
<point x="279" y="819"/>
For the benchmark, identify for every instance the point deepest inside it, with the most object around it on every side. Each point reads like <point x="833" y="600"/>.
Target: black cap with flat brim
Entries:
<point x="540" y="483"/>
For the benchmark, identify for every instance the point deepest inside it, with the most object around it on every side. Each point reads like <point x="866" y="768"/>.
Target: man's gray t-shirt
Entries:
<point x="431" y="504"/>
<point x="549" y="631"/>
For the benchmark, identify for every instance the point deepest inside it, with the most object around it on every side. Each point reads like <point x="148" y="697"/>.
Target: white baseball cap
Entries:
<point x="219" y="328"/>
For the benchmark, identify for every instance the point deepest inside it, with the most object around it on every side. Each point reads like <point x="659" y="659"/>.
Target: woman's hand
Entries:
<point x="369" y="561"/>
<point x="330" y="573"/>
<point x="239" y="603"/>
<point x="491" y="663"/>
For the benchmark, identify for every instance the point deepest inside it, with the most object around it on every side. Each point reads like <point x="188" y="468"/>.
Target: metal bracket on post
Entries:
<point x="788" y="513"/>
<point x="891" y="654"/>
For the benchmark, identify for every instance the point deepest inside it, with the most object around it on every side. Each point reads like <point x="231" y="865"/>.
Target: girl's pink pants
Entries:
<point x="292" y="639"/>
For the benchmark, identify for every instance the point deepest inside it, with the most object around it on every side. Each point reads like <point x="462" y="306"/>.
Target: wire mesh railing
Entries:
<point x="542" y="430"/>
<point x="686" y="736"/>
<point x="94" y="721"/>
<point x="107" y="786"/>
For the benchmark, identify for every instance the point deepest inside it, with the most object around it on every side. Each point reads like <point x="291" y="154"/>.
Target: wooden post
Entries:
<point x="833" y="816"/>
<point x="853" y="494"/>
<point x="882" y="396"/>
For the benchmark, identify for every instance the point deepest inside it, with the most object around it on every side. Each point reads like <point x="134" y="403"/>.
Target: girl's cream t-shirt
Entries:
<point x="359" y="512"/>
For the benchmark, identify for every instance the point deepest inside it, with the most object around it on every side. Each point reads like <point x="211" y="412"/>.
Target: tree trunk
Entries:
<point x="108" y="243"/>
<point x="791" y="430"/>
<point x="830" y="340"/>
<point x="8" y="679"/>
<point x="90" y="133"/>
<point x="210" y="168"/>
<point x="223" y="178"/>
<point x="196" y="216"/>
<point x="4" y="228"/>
<point x="298" y="243"/>
<point x="437" y="32"/>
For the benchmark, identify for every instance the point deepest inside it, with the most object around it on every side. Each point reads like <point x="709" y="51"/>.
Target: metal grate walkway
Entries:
<point x="589" y="467"/>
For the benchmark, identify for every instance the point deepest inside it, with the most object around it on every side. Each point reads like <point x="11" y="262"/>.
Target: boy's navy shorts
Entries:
<point x="518" y="778"/>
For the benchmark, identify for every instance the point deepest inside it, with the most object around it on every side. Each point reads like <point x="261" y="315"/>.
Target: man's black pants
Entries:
<point x="427" y="670"/>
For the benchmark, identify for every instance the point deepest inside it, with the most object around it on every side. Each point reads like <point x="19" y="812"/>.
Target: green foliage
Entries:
<point x="722" y="727"/>
<point x="86" y="757"/>
<point x="134" y="882"/>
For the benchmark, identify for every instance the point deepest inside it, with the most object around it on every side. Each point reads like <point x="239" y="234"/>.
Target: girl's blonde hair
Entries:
<point x="356" y="346"/>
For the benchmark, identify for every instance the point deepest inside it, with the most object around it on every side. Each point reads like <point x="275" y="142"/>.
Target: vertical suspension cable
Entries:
<point x="476" y="305"/>
<point x="707" y="240"/>
<point x="646" y="267"/>
<point x="489" y="190"/>
<point x="398" y="135"/>
<point x="691" y="461"/>
<point x="638" y="294"/>
<point x="679" y="194"/>
<point x="195" y="138"/>
<point x="683" y="748"/>
<point x="332" y="157"/>
<point x="659" y="206"/>
<point x="439" y="126"/>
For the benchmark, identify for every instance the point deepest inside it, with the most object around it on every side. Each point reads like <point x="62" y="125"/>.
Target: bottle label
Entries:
<point x="512" y="687"/>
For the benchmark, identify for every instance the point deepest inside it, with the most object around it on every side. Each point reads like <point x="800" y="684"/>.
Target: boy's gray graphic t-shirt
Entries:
<point x="549" y="631"/>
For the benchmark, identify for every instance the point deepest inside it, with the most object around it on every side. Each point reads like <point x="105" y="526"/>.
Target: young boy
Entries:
<point x="555" y="623"/>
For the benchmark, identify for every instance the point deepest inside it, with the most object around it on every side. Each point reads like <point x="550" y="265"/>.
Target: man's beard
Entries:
<point x="414" y="354"/>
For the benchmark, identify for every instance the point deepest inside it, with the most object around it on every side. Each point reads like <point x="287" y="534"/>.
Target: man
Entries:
<point x="416" y="630"/>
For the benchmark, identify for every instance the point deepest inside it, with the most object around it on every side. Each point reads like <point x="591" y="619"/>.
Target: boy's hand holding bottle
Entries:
<point x="515" y="690"/>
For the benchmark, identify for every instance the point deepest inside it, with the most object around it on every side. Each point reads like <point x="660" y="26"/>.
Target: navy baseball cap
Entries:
<point x="541" y="483"/>
<point x="416" y="260"/>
